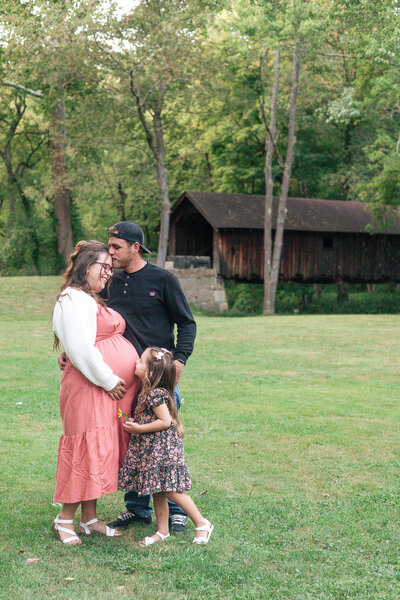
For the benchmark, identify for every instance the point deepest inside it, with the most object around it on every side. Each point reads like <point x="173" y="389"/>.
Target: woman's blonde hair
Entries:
<point x="161" y="373"/>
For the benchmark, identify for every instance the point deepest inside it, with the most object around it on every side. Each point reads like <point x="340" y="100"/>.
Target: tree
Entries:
<point x="46" y="53"/>
<point x="163" y="50"/>
<point x="20" y="150"/>
<point x="185" y="96"/>
<point x="272" y="258"/>
<point x="280" y="24"/>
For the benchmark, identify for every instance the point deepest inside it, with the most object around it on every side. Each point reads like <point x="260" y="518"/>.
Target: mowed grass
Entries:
<point x="292" y="440"/>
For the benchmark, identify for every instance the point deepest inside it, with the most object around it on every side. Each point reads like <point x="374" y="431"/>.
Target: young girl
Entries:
<point x="155" y="463"/>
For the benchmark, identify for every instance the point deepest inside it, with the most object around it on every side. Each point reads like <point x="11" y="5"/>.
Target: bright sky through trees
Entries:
<point x="125" y="5"/>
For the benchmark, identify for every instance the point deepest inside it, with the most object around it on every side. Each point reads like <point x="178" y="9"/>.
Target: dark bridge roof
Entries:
<point x="226" y="211"/>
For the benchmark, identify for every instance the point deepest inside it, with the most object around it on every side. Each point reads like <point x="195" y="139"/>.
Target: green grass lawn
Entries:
<point x="292" y="440"/>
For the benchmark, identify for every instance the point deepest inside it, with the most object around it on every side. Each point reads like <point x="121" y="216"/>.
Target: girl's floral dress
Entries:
<point x="154" y="462"/>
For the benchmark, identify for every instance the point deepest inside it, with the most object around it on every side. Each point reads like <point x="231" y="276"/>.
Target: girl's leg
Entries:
<point x="68" y="512"/>
<point x="89" y="508"/>
<point x="162" y="514"/>
<point x="187" y="504"/>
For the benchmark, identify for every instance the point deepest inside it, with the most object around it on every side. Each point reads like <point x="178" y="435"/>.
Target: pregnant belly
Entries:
<point x="121" y="356"/>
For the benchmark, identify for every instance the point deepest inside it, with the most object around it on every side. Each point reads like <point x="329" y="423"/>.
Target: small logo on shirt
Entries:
<point x="152" y="293"/>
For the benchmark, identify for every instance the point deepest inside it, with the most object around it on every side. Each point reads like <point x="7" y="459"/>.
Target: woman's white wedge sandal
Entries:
<point x="108" y="533"/>
<point x="56" y="528"/>
<point x="148" y="541"/>
<point x="204" y="539"/>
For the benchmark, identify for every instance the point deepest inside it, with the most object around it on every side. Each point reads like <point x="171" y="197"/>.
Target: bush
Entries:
<point x="244" y="298"/>
<point x="297" y="298"/>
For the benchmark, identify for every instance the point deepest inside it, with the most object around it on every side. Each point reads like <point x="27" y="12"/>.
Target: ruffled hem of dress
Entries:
<point x="87" y="465"/>
<point x="155" y="481"/>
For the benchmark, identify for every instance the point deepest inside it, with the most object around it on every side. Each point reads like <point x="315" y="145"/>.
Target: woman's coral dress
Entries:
<point x="94" y="444"/>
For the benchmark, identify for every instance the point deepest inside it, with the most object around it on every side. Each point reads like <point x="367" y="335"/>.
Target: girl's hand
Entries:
<point x="118" y="391"/>
<point x="132" y="427"/>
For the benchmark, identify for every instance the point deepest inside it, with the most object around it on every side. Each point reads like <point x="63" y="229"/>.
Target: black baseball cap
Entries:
<point x="131" y="232"/>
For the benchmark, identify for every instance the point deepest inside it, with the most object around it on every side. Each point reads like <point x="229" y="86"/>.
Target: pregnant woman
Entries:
<point x="98" y="380"/>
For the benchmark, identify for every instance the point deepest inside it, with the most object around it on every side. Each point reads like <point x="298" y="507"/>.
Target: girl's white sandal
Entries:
<point x="148" y="541"/>
<point x="56" y="527"/>
<point x="109" y="532"/>
<point x="204" y="540"/>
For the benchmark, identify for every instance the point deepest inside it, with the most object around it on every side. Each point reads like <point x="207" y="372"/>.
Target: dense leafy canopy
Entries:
<point x="209" y="66"/>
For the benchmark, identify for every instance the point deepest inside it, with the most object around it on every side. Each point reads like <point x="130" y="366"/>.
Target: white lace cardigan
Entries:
<point x="75" y="325"/>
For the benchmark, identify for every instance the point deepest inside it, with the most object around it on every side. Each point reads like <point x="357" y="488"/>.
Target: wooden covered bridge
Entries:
<point x="324" y="240"/>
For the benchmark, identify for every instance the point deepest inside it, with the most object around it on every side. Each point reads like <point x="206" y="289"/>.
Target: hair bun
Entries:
<point x="79" y="246"/>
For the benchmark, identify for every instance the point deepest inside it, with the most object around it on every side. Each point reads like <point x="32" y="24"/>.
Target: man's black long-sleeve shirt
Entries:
<point x="152" y="301"/>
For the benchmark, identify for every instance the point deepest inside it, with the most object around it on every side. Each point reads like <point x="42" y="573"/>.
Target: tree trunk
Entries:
<point x="122" y="200"/>
<point x="287" y="172"/>
<point x="163" y="189"/>
<point x="12" y="196"/>
<point x="155" y="141"/>
<point x="11" y="185"/>
<point x="347" y="150"/>
<point x="342" y="292"/>
<point x="7" y="158"/>
<point x="209" y="172"/>
<point x="268" y="308"/>
<point x="62" y="199"/>
<point x="35" y="240"/>
<point x="317" y="290"/>
<point x="16" y="191"/>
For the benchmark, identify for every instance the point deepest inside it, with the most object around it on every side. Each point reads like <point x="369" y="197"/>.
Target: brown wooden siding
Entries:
<point x="352" y="257"/>
<point x="312" y="257"/>
<point x="190" y="234"/>
<point x="310" y="254"/>
<point x="241" y="254"/>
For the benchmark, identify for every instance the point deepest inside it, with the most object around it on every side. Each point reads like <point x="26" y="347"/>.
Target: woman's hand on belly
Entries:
<point x="118" y="391"/>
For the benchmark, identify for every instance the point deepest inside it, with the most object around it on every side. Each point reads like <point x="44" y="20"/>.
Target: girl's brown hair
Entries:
<point x="84" y="255"/>
<point x="161" y="373"/>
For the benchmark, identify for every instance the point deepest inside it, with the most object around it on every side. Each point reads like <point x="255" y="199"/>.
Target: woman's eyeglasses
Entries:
<point x="109" y="270"/>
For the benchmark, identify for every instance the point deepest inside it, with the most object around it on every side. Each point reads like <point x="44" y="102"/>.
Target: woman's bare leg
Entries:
<point x="68" y="512"/>
<point x="89" y="508"/>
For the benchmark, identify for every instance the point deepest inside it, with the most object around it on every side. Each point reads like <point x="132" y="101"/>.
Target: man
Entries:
<point x="152" y="302"/>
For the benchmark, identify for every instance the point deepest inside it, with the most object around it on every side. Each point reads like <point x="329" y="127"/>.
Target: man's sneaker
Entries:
<point x="177" y="523"/>
<point x="127" y="518"/>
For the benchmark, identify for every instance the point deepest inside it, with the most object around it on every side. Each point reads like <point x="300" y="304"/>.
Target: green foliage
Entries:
<point x="348" y="120"/>
<point x="297" y="298"/>
<point x="244" y="298"/>
<point x="381" y="181"/>
<point x="304" y="299"/>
